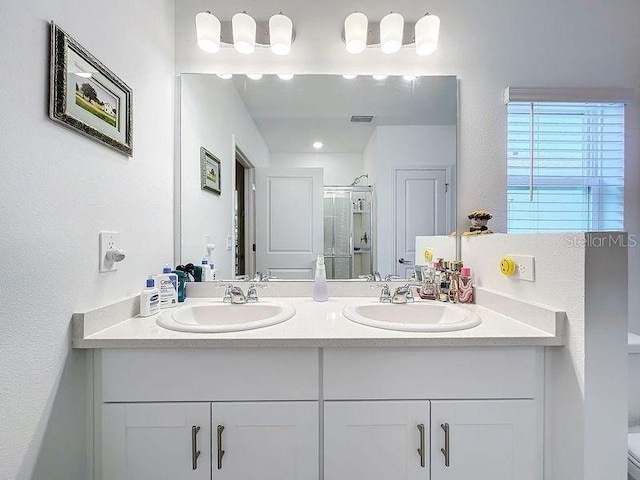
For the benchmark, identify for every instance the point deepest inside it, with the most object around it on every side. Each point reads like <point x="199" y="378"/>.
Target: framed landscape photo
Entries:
<point x="209" y="171"/>
<point x="88" y="97"/>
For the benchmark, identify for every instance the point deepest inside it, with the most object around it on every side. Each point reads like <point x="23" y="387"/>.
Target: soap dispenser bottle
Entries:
<point x="320" y="287"/>
<point x="149" y="299"/>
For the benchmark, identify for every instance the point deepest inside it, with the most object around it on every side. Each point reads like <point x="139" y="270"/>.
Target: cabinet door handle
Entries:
<point x="421" y="450"/>
<point x="220" y="450"/>
<point x="445" y="451"/>
<point x="195" y="453"/>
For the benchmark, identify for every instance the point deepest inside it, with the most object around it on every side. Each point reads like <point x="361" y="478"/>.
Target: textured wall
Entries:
<point x="59" y="189"/>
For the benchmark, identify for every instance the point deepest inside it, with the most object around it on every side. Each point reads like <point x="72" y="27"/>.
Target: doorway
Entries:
<point x="244" y="218"/>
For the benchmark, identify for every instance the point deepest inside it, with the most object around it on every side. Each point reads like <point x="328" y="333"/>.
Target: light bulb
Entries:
<point x="254" y="76"/>
<point x="317" y="145"/>
<point x="427" y="32"/>
<point x="391" y="33"/>
<point x="208" y="32"/>
<point x="244" y="33"/>
<point x="379" y="76"/>
<point x="356" y="31"/>
<point x="349" y="76"/>
<point x="285" y="76"/>
<point x="280" y="34"/>
<point x="225" y="76"/>
<point x="409" y="78"/>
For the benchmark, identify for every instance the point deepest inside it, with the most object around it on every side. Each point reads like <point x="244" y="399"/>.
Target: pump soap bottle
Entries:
<point x="320" y="287"/>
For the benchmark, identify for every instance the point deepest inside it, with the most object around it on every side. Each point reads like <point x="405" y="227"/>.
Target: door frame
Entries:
<point x="250" y="211"/>
<point x="450" y="205"/>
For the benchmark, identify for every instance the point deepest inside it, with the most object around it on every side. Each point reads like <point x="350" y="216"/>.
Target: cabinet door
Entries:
<point x="376" y="440"/>
<point x="156" y="441"/>
<point x="487" y="440"/>
<point x="265" y="441"/>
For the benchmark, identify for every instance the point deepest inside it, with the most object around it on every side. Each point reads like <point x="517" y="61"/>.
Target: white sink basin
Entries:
<point x="413" y="317"/>
<point x="224" y="317"/>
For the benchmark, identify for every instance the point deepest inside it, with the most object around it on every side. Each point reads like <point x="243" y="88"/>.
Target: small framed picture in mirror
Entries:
<point x="209" y="171"/>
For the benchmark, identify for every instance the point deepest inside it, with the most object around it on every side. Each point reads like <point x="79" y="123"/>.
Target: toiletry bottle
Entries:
<point x="207" y="273"/>
<point x="454" y="284"/>
<point x="428" y="289"/>
<point x="320" y="287"/>
<point x="167" y="283"/>
<point x="149" y="299"/>
<point x="466" y="286"/>
<point x="182" y="292"/>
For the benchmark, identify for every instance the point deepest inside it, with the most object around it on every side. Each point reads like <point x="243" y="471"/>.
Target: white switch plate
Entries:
<point x="108" y="240"/>
<point x="229" y="243"/>
<point x="525" y="267"/>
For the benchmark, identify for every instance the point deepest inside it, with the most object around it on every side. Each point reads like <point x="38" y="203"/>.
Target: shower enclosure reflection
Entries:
<point x="348" y="227"/>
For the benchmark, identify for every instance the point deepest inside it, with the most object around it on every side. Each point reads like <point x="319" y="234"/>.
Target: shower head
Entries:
<point x="357" y="180"/>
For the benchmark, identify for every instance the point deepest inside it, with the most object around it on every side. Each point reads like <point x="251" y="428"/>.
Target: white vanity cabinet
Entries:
<point x="283" y="413"/>
<point x="156" y="441"/>
<point x="265" y="441"/>
<point x="376" y="440"/>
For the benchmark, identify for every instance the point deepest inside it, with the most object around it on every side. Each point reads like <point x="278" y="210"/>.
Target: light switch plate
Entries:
<point x="525" y="267"/>
<point x="108" y="240"/>
<point x="229" y="243"/>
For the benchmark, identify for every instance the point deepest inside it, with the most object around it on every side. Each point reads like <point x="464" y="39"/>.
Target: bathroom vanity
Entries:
<point x="318" y="396"/>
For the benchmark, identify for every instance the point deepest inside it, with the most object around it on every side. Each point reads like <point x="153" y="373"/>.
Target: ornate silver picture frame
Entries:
<point x="88" y="97"/>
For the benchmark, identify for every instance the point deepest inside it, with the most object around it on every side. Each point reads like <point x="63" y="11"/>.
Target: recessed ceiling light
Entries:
<point x="409" y="77"/>
<point x="317" y="145"/>
<point x="225" y="76"/>
<point x="285" y="76"/>
<point x="254" y="76"/>
<point x="379" y="76"/>
<point x="349" y="76"/>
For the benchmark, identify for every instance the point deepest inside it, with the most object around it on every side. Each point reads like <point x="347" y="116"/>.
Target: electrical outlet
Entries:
<point x="525" y="267"/>
<point x="108" y="241"/>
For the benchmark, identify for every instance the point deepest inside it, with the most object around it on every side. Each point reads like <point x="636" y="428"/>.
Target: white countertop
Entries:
<point x="317" y="325"/>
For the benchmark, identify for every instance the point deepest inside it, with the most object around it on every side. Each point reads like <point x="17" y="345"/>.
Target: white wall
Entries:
<point x="212" y="116"/>
<point x="339" y="168"/>
<point x="59" y="189"/>
<point x="586" y="409"/>
<point x="402" y="147"/>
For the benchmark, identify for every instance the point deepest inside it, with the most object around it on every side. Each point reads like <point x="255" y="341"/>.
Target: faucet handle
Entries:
<point x="389" y="277"/>
<point x="252" y="293"/>
<point x="385" y="294"/>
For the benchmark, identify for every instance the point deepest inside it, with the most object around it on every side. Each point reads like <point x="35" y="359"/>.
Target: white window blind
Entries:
<point x="565" y="167"/>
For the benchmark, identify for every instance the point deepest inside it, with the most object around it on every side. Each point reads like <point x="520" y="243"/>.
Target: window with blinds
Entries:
<point x="565" y="167"/>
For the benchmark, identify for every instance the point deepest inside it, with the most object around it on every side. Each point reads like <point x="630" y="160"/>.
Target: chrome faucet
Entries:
<point x="234" y="295"/>
<point x="261" y="277"/>
<point x="404" y="294"/>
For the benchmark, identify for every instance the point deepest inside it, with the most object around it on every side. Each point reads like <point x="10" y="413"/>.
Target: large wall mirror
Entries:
<point x="354" y="169"/>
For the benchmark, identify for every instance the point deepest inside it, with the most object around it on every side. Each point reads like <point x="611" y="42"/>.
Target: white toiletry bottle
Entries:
<point x="149" y="299"/>
<point x="167" y="283"/>
<point x="207" y="273"/>
<point x="320" y="287"/>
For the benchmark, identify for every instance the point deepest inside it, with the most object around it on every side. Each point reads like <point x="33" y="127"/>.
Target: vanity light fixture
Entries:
<point x="208" y="32"/>
<point x="317" y="145"/>
<point x="379" y="76"/>
<point x="280" y="34"/>
<point x="254" y="76"/>
<point x="349" y="76"/>
<point x="244" y="34"/>
<point x="225" y="76"/>
<point x="356" y="31"/>
<point x="391" y="33"/>
<point x="427" y="32"/>
<point x="285" y="76"/>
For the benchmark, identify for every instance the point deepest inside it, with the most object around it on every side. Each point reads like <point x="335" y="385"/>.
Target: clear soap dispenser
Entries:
<point x="320" y="287"/>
